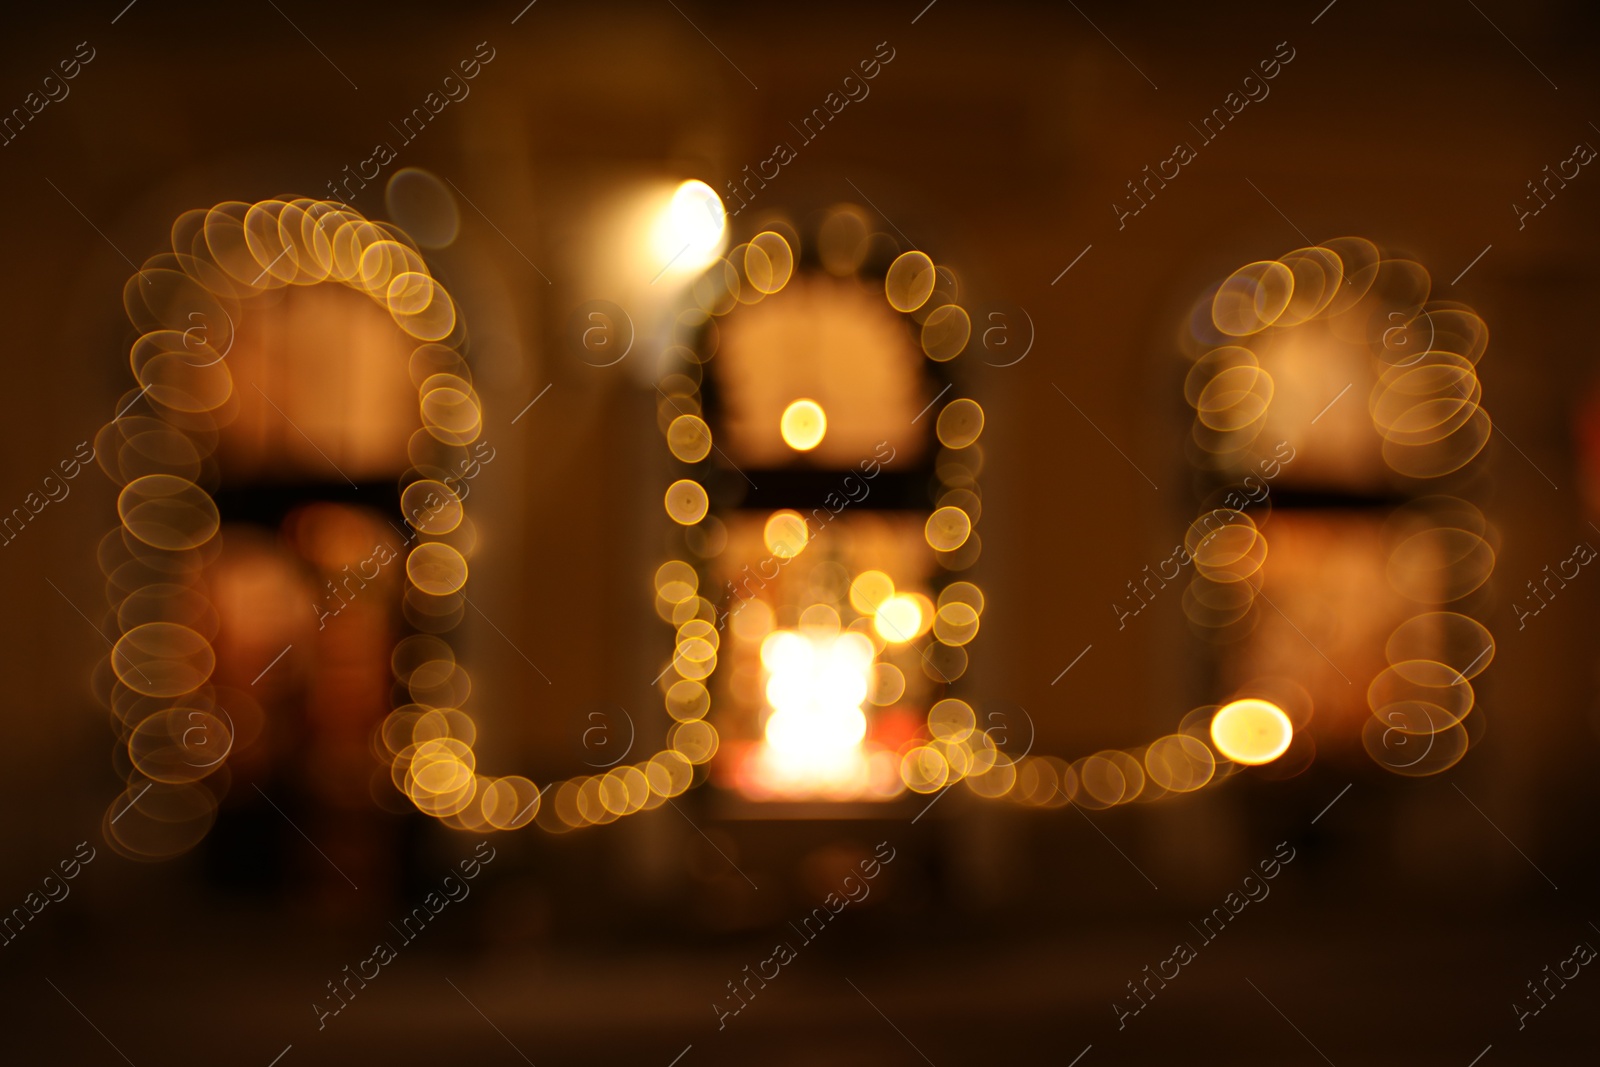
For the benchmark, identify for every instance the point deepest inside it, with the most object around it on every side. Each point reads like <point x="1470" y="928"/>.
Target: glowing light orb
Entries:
<point x="687" y="502"/>
<point x="1251" y="731"/>
<point x="690" y="231"/>
<point x="899" y="619"/>
<point x="803" y="425"/>
<point x="785" y="534"/>
<point x="815" y="687"/>
<point x="868" y="591"/>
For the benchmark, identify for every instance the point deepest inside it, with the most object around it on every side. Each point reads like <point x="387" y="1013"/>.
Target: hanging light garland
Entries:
<point x="173" y="722"/>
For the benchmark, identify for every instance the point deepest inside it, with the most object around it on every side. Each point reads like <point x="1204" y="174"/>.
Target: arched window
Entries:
<point x="293" y="539"/>
<point x="1337" y="557"/>
<point x="827" y="505"/>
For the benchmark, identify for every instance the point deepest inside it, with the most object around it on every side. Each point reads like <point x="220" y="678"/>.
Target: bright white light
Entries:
<point x="899" y="619"/>
<point x="690" y="231"/>
<point x="816" y="685"/>
<point x="784" y="652"/>
<point x="1251" y="731"/>
<point x="856" y="649"/>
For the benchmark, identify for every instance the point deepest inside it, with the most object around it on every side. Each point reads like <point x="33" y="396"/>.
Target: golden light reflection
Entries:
<point x="848" y="596"/>
<point x="1420" y="697"/>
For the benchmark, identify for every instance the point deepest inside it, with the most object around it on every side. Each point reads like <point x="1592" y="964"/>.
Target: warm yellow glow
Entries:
<point x="827" y="340"/>
<point x="436" y="569"/>
<point x="888" y="684"/>
<point x="945" y="333"/>
<point x="691" y="230"/>
<point x="686" y="502"/>
<point x="869" y="590"/>
<point x="952" y="720"/>
<point x="676" y="581"/>
<point x="899" y="619"/>
<point x="960" y="423"/>
<point x="956" y="624"/>
<point x="509" y="803"/>
<point x="820" y="620"/>
<point x="752" y="620"/>
<point x="947" y="529"/>
<point x="1251" y="731"/>
<point x="768" y="262"/>
<point x="1253" y="298"/>
<point x="696" y="740"/>
<point x="785" y="534"/>
<point x="784" y="651"/>
<point x="187" y="320"/>
<point x="168" y="512"/>
<point x="163" y="659"/>
<point x="689" y="438"/>
<point x="431" y="507"/>
<point x="1179" y="763"/>
<point x="803" y="425"/>
<point x="924" y="769"/>
<point x="909" y="281"/>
